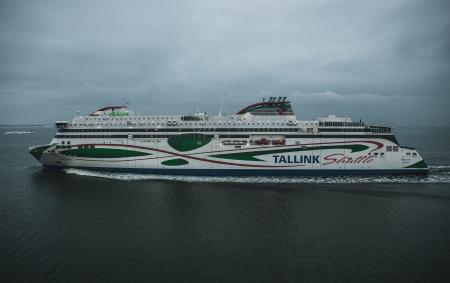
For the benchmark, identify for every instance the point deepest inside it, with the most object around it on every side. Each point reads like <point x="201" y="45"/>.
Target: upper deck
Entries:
<point x="273" y="115"/>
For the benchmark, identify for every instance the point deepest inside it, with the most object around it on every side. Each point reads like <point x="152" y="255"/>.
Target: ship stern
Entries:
<point x="418" y="166"/>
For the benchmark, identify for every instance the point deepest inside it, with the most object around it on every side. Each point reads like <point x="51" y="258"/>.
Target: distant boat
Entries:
<point x="264" y="138"/>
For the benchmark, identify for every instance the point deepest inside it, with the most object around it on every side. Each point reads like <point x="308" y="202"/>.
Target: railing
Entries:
<point x="351" y="127"/>
<point x="342" y="124"/>
<point x="380" y="129"/>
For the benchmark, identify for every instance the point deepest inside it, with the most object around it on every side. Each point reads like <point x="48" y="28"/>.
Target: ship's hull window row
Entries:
<point x="184" y="130"/>
<point x="95" y="130"/>
<point x="315" y="136"/>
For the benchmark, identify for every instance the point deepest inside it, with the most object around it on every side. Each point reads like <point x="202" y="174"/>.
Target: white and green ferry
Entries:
<point x="265" y="138"/>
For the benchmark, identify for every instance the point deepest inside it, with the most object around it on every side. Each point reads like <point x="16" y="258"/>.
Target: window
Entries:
<point x="388" y="148"/>
<point x="395" y="148"/>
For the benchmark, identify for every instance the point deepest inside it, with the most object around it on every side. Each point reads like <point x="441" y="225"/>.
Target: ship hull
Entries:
<point x="210" y="157"/>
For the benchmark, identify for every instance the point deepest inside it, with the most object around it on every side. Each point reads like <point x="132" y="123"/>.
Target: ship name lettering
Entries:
<point x="296" y="159"/>
<point x="339" y="158"/>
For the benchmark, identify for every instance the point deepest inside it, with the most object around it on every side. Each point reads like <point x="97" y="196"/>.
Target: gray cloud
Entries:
<point x="354" y="58"/>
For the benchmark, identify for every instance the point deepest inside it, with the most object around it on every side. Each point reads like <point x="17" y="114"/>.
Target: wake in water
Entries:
<point x="438" y="175"/>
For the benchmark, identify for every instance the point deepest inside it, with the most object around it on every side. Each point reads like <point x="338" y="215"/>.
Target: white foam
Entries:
<point x="430" y="179"/>
<point x="439" y="167"/>
<point x="18" y="133"/>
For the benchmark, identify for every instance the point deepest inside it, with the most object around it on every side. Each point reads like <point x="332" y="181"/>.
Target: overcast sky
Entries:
<point x="386" y="62"/>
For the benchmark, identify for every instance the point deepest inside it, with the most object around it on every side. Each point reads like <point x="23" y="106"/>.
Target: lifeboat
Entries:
<point x="262" y="141"/>
<point x="279" y="142"/>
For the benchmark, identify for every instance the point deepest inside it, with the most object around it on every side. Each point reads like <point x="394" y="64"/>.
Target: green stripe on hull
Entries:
<point x="175" y="162"/>
<point x="103" y="153"/>
<point x="187" y="142"/>
<point x="420" y="164"/>
<point x="250" y="156"/>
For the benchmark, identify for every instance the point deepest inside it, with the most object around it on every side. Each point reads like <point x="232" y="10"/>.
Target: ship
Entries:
<point x="264" y="138"/>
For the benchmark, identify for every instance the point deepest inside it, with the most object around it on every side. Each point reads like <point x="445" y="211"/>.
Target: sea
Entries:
<point x="83" y="226"/>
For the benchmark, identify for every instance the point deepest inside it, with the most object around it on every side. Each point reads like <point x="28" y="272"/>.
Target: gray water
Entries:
<point x="80" y="226"/>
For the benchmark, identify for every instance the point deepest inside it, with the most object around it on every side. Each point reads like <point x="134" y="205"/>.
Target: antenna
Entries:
<point x="124" y="102"/>
<point x="222" y="104"/>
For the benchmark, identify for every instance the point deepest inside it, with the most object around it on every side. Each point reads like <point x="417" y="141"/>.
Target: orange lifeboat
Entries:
<point x="262" y="141"/>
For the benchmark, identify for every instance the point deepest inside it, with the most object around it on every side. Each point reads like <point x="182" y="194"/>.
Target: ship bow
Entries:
<point x="38" y="150"/>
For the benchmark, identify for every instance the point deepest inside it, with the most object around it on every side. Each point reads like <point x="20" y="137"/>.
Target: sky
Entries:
<point x="385" y="62"/>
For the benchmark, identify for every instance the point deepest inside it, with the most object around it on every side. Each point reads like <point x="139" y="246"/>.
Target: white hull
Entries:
<point x="315" y="154"/>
